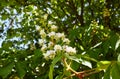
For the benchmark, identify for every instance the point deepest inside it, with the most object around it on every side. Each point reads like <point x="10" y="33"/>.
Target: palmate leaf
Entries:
<point x="6" y="70"/>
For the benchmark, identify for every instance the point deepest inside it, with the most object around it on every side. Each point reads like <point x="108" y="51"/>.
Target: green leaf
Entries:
<point x="118" y="59"/>
<point x="36" y="58"/>
<point x="107" y="73"/>
<point x="115" y="71"/>
<point x="75" y="65"/>
<point x="113" y="41"/>
<point x="20" y="67"/>
<point x="30" y="7"/>
<point x="87" y="63"/>
<point x="86" y="57"/>
<point x="59" y="77"/>
<point x="6" y="70"/>
<point x="105" y="46"/>
<point x="74" y="58"/>
<point x="94" y="53"/>
<point x="37" y="53"/>
<point x="102" y="65"/>
<point x="4" y="17"/>
<point x="55" y="60"/>
<point x="117" y="44"/>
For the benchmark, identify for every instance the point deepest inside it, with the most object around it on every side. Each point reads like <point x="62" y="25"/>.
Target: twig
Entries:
<point x="81" y="74"/>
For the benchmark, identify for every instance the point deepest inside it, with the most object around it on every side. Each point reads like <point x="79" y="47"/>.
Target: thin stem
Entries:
<point x="68" y="66"/>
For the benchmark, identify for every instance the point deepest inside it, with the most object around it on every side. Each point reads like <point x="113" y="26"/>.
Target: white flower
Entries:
<point x="50" y="44"/>
<point x="69" y="50"/>
<point x="50" y="54"/>
<point x="37" y="28"/>
<point x="41" y="41"/>
<point x="66" y="40"/>
<point x="50" y="22"/>
<point x="59" y="36"/>
<point x="42" y="33"/>
<point x="45" y="16"/>
<point x="57" y="48"/>
<point x="44" y="47"/>
<point x="53" y="28"/>
<point x="51" y="34"/>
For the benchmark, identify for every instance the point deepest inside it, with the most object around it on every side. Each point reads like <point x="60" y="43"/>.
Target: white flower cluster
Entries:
<point x="53" y="42"/>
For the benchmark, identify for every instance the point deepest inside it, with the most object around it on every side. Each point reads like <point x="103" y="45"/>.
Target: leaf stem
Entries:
<point x="79" y="74"/>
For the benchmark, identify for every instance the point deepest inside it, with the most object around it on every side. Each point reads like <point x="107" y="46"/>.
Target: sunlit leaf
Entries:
<point x="117" y="44"/>
<point x="118" y="59"/>
<point x="103" y="65"/>
<point x="115" y="71"/>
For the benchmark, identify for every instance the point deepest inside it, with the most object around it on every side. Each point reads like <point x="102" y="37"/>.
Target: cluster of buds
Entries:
<point x="53" y="42"/>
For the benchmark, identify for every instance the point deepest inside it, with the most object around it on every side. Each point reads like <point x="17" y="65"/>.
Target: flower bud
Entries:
<point x="57" y="48"/>
<point x="53" y="28"/>
<point x="51" y="34"/>
<point x="66" y="40"/>
<point x="59" y="36"/>
<point x="50" y="54"/>
<point x="44" y="47"/>
<point x="41" y="41"/>
<point x="69" y="50"/>
<point x="42" y="33"/>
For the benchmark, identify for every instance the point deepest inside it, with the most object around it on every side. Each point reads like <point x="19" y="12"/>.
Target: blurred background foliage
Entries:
<point x="93" y="27"/>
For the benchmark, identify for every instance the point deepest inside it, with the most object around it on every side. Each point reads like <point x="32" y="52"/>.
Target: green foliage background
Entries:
<point x="93" y="27"/>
